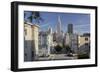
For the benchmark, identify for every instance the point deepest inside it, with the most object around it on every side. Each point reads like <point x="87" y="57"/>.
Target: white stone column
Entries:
<point x="35" y="30"/>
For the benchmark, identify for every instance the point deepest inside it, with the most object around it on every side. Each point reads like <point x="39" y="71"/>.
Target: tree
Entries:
<point x="30" y="15"/>
<point x="25" y="13"/>
<point x="36" y="16"/>
<point x="68" y="48"/>
<point x="58" y="48"/>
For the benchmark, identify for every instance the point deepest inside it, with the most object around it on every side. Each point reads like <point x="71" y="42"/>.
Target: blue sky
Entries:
<point x="81" y="22"/>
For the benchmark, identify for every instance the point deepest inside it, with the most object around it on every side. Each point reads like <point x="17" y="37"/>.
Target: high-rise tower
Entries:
<point x="70" y="28"/>
<point x="59" y="34"/>
<point x="59" y="25"/>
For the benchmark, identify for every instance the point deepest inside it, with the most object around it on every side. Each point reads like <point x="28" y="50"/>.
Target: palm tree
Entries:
<point x="36" y="16"/>
<point x="25" y="17"/>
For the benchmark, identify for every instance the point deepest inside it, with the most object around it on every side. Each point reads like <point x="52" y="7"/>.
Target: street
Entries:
<point x="58" y="57"/>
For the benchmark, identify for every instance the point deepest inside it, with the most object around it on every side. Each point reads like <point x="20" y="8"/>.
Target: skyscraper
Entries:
<point x="59" y="25"/>
<point x="70" y="28"/>
<point x="59" y="34"/>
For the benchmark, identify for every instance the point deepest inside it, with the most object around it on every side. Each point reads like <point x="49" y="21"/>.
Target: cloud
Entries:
<point x="82" y="25"/>
<point x="83" y="28"/>
<point x="44" y="25"/>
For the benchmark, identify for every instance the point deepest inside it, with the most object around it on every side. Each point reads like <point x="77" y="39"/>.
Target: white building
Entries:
<point x="30" y="41"/>
<point x="67" y="40"/>
<point x="71" y="40"/>
<point x="74" y="43"/>
<point x="35" y="35"/>
<point x="45" y="42"/>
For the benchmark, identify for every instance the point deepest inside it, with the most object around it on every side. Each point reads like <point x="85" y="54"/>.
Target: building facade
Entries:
<point x="45" y="42"/>
<point x="28" y="42"/>
<point x="74" y="43"/>
<point x="84" y="44"/>
<point x="71" y="40"/>
<point x="70" y="28"/>
<point x="67" y="40"/>
<point x="31" y="32"/>
<point x="35" y="35"/>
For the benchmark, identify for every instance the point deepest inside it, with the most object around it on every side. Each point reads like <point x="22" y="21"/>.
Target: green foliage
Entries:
<point x="58" y="48"/>
<point x="68" y="48"/>
<point x="34" y="15"/>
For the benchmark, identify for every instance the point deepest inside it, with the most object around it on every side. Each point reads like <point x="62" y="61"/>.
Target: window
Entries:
<point x="86" y="44"/>
<point x="25" y="44"/>
<point x="25" y="54"/>
<point x="86" y="39"/>
<point x="25" y="31"/>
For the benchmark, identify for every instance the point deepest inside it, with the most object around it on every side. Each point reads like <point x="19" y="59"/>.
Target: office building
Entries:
<point x="70" y="28"/>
